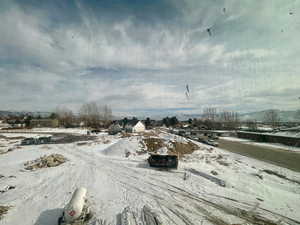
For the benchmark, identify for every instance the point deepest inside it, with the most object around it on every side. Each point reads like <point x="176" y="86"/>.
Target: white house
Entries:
<point x="138" y="127"/>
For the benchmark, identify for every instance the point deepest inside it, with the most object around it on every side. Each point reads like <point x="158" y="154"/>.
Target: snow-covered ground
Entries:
<point x="288" y="133"/>
<point x="114" y="182"/>
<point x="270" y="145"/>
<point x="61" y="130"/>
<point x="47" y="130"/>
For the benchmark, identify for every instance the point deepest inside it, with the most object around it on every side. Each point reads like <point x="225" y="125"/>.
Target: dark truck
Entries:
<point x="163" y="161"/>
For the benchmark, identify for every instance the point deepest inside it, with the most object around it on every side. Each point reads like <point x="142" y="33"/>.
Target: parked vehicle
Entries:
<point x="28" y="141"/>
<point x="212" y="143"/>
<point x="44" y="140"/>
<point x="36" y="141"/>
<point x="163" y="161"/>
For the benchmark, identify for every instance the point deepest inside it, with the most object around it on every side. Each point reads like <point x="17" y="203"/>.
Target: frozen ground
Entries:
<point x="288" y="133"/>
<point x="47" y="130"/>
<point x="61" y="130"/>
<point x="251" y="196"/>
<point x="271" y="145"/>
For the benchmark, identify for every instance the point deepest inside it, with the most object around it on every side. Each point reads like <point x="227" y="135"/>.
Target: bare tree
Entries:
<point x="272" y="117"/>
<point x="94" y="114"/>
<point x="210" y="118"/>
<point x="229" y="119"/>
<point x="90" y="113"/>
<point x="210" y="113"/>
<point x="252" y="125"/>
<point x="65" y="116"/>
<point x="107" y="113"/>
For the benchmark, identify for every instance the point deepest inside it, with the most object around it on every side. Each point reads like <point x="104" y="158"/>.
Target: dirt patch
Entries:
<point x="126" y="135"/>
<point x="258" y="175"/>
<point x="45" y="161"/>
<point x="223" y="163"/>
<point x="174" y="147"/>
<point x="69" y="138"/>
<point x="106" y="141"/>
<point x="82" y="143"/>
<point x="3" y="210"/>
<point x="149" y="134"/>
<point x="153" y="144"/>
<point x="180" y="148"/>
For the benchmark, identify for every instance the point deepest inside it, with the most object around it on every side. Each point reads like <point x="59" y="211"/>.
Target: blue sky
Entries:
<point x="138" y="55"/>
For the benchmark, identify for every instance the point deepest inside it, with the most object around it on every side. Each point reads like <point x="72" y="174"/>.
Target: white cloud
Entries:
<point x="243" y="56"/>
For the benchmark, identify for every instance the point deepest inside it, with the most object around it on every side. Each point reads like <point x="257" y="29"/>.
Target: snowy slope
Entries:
<point x="114" y="182"/>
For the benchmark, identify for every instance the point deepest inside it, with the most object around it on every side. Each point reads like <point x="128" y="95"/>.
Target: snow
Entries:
<point x="288" y="134"/>
<point x="23" y="135"/>
<point x="270" y="145"/>
<point x="115" y="181"/>
<point x="61" y="130"/>
<point x="48" y="130"/>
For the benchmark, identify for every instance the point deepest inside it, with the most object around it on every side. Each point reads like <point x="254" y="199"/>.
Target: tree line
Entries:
<point x="90" y="114"/>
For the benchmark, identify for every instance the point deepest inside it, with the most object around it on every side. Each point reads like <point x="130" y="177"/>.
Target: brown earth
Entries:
<point x="174" y="147"/>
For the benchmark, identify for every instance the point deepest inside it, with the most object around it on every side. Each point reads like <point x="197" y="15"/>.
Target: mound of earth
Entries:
<point x="173" y="146"/>
<point x="45" y="161"/>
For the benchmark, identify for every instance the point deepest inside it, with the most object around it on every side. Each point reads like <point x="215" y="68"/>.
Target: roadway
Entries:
<point x="280" y="157"/>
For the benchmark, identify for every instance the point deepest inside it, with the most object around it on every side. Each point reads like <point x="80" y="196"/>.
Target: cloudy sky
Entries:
<point x="138" y="55"/>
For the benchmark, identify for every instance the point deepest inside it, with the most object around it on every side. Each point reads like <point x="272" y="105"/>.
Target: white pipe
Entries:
<point x="74" y="208"/>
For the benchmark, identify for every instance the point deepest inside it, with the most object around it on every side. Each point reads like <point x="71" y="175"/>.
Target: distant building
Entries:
<point x="135" y="127"/>
<point x="44" y="123"/>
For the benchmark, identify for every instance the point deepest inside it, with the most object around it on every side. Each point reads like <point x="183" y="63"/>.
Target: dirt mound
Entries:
<point x="3" y="210"/>
<point x="45" y="161"/>
<point x="174" y="147"/>
<point x="153" y="144"/>
<point x="181" y="148"/>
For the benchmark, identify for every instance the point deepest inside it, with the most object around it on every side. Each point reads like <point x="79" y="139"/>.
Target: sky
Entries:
<point x="139" y="56"/>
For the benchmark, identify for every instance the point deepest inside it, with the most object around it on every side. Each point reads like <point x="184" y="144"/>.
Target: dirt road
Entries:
<point x="283" y="158"/>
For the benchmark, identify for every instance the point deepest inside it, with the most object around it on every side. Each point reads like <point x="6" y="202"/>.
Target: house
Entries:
<point x="135" y="127"/>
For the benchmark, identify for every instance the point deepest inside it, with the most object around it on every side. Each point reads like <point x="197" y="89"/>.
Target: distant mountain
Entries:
<point x="20" y="113"/>
<point x="285" y="116"/>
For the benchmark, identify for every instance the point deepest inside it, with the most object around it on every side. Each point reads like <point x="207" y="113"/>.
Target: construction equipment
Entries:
<point x="163" y="161"/>
<point x="77" y="211"/>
